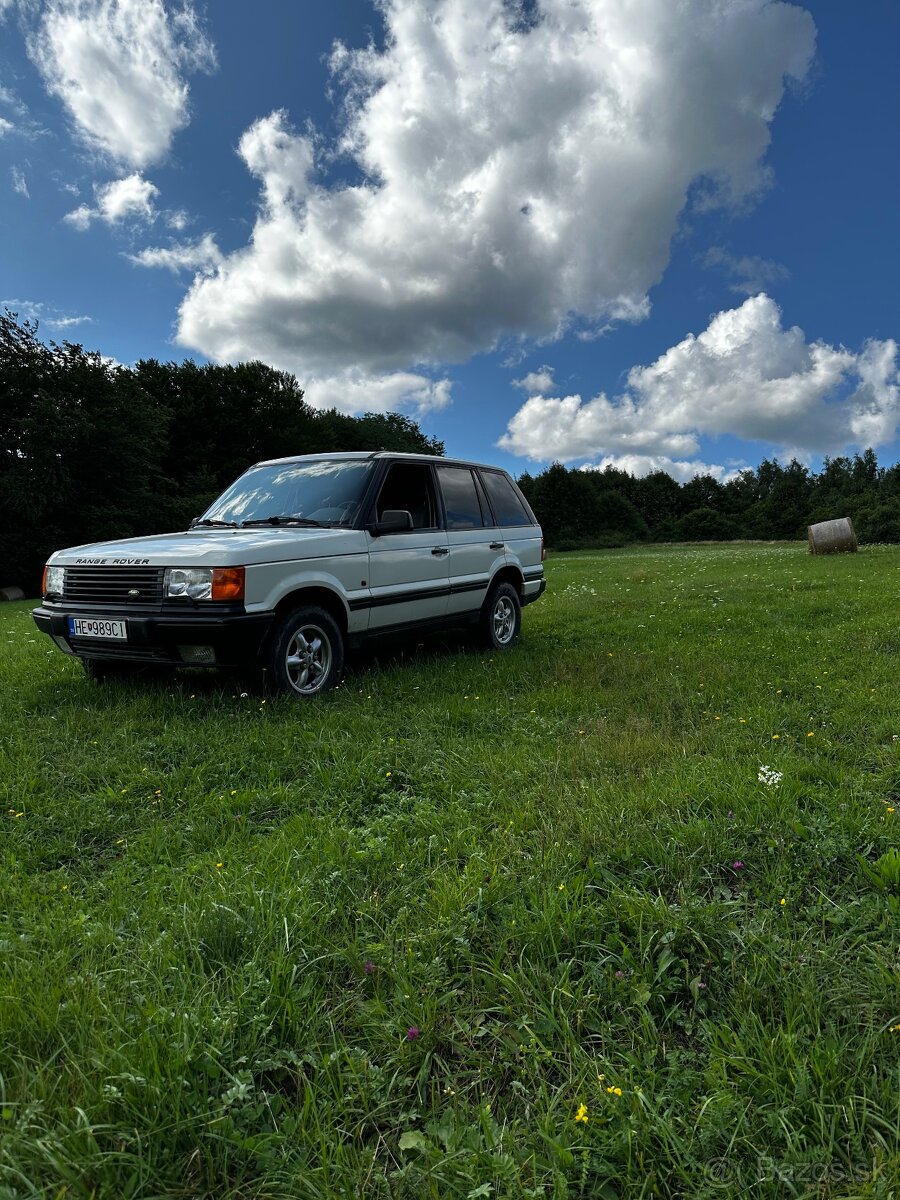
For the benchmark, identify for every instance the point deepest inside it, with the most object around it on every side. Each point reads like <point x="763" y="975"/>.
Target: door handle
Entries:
<point x="496" y="545"/>
<point x="440" y="551"/>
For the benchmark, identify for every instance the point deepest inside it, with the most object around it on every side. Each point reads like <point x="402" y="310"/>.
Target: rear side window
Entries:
<point x="508" y="508"/>
<point x="460" y="498"/>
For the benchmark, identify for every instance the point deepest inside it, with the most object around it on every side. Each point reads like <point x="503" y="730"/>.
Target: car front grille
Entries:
<point x="113" y="585"/>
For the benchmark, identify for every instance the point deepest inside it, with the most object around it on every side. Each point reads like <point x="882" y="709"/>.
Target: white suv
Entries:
<point x="299" y="560"/>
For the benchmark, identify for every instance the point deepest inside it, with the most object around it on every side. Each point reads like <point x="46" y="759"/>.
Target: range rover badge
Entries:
<point x="133" y="592"/>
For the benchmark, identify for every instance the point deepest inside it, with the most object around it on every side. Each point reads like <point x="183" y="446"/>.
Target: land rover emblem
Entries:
<point x="133" y="592"/>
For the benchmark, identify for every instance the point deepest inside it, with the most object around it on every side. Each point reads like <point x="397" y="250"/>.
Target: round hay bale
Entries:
<point x="11" y="593"/>
<point x="832" y="537"/>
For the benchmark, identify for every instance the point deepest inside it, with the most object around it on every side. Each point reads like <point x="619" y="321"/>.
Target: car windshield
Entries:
<point x="323" y="492"/>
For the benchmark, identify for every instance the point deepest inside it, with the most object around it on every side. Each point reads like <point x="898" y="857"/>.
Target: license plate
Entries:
<point x="97" y="627"/>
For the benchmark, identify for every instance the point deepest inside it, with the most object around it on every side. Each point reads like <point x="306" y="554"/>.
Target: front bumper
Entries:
<point x="235" y="637"/>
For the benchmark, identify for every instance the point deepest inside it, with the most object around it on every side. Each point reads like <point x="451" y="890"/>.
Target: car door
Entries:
<point x="408" y="570"/>
<point x="476" y="547"/>
<point x="518" y="529"/>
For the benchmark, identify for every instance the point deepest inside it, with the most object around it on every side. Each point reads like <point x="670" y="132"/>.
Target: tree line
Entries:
<point x="587" y="508"/>
<point x="91" y="450"/>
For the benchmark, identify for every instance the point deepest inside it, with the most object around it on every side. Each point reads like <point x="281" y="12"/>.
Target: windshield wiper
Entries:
<point x="212" y="521"/>
<point x="283" y="521"/>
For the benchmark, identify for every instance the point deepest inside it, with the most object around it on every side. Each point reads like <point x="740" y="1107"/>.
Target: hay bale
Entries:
<point x="11" y="593"/>
<point x="832" y="537"/>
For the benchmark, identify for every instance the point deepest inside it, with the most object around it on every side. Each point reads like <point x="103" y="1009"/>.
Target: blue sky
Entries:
<point x="637" y="233"/>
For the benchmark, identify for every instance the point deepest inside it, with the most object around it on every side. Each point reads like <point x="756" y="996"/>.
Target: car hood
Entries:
<point x="216" y="548"/>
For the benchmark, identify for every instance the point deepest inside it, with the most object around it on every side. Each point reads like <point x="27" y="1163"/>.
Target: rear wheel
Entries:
<point x="501" y="617"/>
<point x="305" y="657"/>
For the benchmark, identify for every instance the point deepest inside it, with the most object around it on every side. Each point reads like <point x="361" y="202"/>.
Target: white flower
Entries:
<point x="769" y="776"/>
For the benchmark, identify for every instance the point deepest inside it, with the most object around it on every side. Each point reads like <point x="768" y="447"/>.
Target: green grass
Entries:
<point x="220" y="917"/>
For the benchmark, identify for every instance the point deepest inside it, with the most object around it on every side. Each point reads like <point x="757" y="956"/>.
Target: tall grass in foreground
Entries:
<point x="613" y="915"/>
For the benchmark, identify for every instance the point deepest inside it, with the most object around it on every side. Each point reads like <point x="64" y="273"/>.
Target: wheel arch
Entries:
<point x="508" y="574"/>
<point x="320" y="597"/>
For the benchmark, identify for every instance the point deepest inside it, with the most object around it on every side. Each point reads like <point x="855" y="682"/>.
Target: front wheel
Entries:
<point x="501" y="617"/>
<point x="306" y="654"/>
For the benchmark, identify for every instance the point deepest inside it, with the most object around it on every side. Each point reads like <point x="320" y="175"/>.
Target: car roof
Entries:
<point x="350" y="455"/>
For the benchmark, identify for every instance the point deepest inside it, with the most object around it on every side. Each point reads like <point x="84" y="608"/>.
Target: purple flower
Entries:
<point x="620" y="974"/>
<point x="369" y="967"/>
<point x="412" y="1033"/>
<point x="700" y="983"/>
<point x="737" y="865"/>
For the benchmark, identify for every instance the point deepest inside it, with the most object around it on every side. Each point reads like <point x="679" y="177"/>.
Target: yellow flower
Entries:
<point x="782" y="902"/>
<point x="890" y="808"/>
<point x="776" y="737"/>
<point x="561" y="887"/>
<point x="614" y="1091"/>
<point x="220" y="865"/>
<point x="582" y="1114"/>
<point x="894" y="1029"/>
<point x="810" y="734"/>
<point x="387" y="774"/>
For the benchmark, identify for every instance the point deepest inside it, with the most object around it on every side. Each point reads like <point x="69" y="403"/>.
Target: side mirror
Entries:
<point x="393" y="520"/>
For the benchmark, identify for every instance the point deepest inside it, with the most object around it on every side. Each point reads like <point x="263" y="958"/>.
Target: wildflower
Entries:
<point x="244" y="695"/>
<point x="234" y="791"/>
<point x="782" y="902"/>
<point x="620" y="974"/>
<point x="894" y="1029"/>
<point x="737" y="865"/>
<point x="769" y="776"/>
<point x="369" y="967"/>
<point x="220" y="865"/>
<point x="561" y="887"/>
<point x="614" y="1091"/>
<point x="776" y="737"/>
<point x="582" y="1114"/>
<point x="889" y="808"/>
<point x="811" y="734"/>
<point x="388" y="774"/>
<point x="412" y="1033"/>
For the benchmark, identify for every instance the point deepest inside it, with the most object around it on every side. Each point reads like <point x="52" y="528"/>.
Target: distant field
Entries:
<point x="614" y="915"/>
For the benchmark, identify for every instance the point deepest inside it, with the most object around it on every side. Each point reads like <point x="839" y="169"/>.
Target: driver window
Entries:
<point x="408" y="486"/>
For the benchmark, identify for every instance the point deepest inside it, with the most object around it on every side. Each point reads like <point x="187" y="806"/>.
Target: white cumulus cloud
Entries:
<point x="129" y="199"/>
<point x="536" y="383"/>
<point x="745" y="375"/>
<point x="119" y="67"/>
<point x="202" y="255"/>
<point x="513" y="178"/>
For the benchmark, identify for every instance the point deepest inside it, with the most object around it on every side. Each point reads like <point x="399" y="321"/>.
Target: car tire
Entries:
<point x="305" y="656"/>
<point x="501" y="618"/>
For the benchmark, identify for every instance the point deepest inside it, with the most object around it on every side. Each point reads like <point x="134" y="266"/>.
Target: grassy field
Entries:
<point x="614" y="915"/>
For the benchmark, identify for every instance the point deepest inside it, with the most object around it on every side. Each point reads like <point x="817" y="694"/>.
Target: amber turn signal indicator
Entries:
<point x="228" y="583"/>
